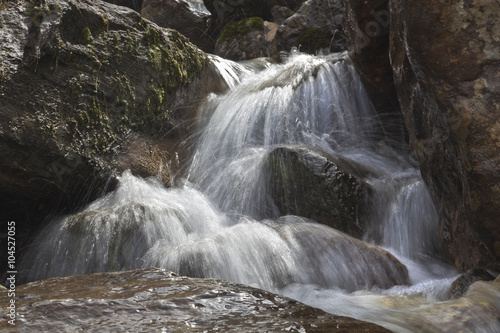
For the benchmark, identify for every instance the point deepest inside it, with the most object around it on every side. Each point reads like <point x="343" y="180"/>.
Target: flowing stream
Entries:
<point x="220" y="220"/>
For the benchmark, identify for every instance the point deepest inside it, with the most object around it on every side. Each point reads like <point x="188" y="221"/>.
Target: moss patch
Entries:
<point x="236" y="30"/>
<point x="312" y="40"/>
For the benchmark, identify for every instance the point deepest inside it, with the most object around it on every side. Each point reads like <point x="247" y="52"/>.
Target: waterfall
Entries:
<point x="222" y="220"/>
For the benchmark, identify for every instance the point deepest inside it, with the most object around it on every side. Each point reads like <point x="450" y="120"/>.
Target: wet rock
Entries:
<point x="88" y="89"/>
<point x="155" y="300"/>
<point x="445" y="60"/>
<point x="179" y="15"/>
<point x="462" y="283"/>
<point x="476" y="311"/>
<point x="247" y="39"/>
<point x="366" y="27"/>
<point x="310" y="184"/>
<point x="315" y="27"/>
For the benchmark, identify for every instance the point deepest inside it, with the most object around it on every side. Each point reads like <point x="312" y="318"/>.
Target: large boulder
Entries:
<point x="88" y="89"/>
<point x="157" y="300"/>
<point x="445" y="58"/>
<point x="181" y="16"/>
<point x="311" y="184"/>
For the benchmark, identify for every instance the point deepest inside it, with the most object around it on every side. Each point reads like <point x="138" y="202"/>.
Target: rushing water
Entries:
<point x="220" y="220"/>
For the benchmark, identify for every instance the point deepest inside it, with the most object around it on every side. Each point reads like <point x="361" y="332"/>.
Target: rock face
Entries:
<point x="88" y="89"/>
<point x="366" y="26"/>
<point x="179" y="15"/>
<point x="156" y="300"/>
<point x="247" y="39"/>
<point x="444" y="59"/>
<point x="309" y="184"/>
<point x="315" y="27"/>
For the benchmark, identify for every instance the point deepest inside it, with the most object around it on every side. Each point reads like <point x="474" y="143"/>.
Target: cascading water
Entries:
<point x="222" y="221"/>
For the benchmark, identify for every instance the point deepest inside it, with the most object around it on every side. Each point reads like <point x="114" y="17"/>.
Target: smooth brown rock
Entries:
<point x="156" y="300"/>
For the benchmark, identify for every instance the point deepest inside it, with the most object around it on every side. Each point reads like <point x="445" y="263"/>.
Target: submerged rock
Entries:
<point x="310" y="184"/>
<point x="154" y="300"/>
<point x="462" y="283"/>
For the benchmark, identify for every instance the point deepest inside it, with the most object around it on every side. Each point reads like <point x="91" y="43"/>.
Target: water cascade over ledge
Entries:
<point x="222" y="220"/>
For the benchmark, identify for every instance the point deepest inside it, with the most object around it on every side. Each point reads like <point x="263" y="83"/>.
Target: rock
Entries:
<point x="132" y="4"/>
<point x="310" y="184"/>
<point x="280" y="14"/>
<point x="224" y="11"/>
<point x="315" y="27"/>
<point x="366" y="27"/>
<point x="157" y="300"/>
<point x="179" y="15"/>
<point x="462" y="283"/>
<point x="88" y="90"/>
<point x="445" y="58"/>
<point x="247" y="39"/>
<point x="476" y="311"/>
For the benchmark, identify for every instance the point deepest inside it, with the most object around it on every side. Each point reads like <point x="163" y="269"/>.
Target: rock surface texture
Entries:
<point x="88" y="89"/>
<point x="315" y="27"/>
<point x="310" y="184"/>
<point x="179" y="15"/>
<point x="155" y="300"/>
<point x="445" y="62"/>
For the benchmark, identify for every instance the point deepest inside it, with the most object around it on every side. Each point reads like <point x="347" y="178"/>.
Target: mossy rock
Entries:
<point x="237" y="30"/>
<point x="79" y="79"/>
<point x="313" y="40"/>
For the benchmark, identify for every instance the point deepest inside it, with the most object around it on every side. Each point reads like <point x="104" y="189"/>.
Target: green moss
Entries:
<point x="237" y="30"/>
<point x="37" y="14"/>
<point x="312" y="40"/>
<point x="87" y="38"/>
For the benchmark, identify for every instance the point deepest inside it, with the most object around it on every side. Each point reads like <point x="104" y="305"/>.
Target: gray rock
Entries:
<point x="315" y="27"/>
<point x="310" y="184"/>
<point x="179" y="15"/>
<point x="87" y="90"/>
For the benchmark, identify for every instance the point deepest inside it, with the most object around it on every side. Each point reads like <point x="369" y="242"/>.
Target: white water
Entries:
<point x="222" y="222"/>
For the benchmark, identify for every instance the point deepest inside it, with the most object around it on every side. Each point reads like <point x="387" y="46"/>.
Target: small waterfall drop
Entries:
<point x="222" y="222"/>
